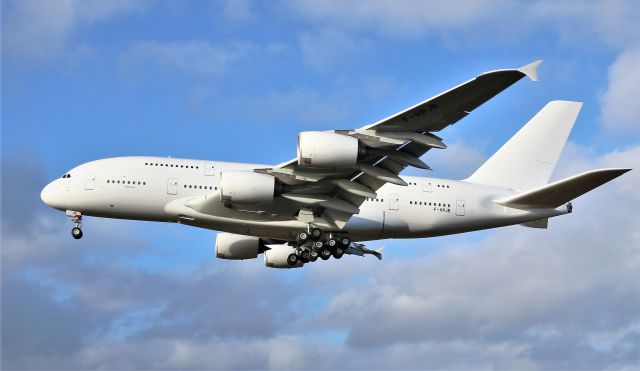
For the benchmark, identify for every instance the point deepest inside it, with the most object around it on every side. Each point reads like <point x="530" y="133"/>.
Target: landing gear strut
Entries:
<point x="76" y="218"/>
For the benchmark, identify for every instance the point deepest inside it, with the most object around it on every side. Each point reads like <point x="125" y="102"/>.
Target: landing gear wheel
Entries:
<point x="313" y="255"/>
<point x="76" y="233"/>
<point x="302" y="238"/>
<point x="325" y="253"/>
<point x="304" y="256"/>
<point x="345" y="241"/>
<point x="332" y="243"/>
<point x="292" y="259"/>
<point x="315" y="234"/>
<point x="338" y="252"/>
<point x="318" y="245"/>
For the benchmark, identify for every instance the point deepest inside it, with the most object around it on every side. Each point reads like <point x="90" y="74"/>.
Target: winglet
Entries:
<point x="531" y="69"/>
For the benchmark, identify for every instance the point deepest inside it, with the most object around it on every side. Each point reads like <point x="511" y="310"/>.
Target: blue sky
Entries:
<point x="236" y="81"/>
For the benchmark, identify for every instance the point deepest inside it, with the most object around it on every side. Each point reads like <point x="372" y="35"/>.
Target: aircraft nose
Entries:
<point x="50" y="195"/>
<point x="45" y="195"/>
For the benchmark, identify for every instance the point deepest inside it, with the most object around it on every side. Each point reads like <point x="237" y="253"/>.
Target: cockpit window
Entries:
<point x="66" y="176"/>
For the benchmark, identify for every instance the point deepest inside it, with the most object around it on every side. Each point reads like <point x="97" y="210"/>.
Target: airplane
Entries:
<point x="344" y="188"/>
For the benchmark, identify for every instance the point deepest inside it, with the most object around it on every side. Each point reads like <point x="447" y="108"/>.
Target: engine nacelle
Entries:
<point x="247" y="187"/>
<point x="276" y="257"/>
<point x="236" y="246"/>
<point x="320" y="149"/>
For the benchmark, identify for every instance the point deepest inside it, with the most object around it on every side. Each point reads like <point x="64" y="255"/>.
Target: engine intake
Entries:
<point x="320" y="149"/>
<point x="276" y="257"/>
<point x="237" y="247"/>
<point x="247" y="187"/>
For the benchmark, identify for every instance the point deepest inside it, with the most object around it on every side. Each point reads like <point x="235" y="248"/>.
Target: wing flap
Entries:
<point x="540" y="223"/>
<point x="357" y="189"/>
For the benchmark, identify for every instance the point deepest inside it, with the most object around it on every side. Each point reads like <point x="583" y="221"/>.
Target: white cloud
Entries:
<point x="330" y="48"/>
<point x="197" y="58"/>
<point x="41" y="30"/>
<point x="620" y="108"/>
<point x="407" y="19"/>
<point x="344" y="105"/>
<point x="612" y="22"/>
<point x="238" y="11"/>
<point x="458" y="161"/>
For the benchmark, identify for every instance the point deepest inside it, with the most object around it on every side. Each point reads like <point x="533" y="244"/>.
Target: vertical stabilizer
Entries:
<point x="527" y="160"/>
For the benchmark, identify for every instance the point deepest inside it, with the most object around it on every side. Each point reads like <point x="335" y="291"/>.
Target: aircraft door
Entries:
<point x="460" y="207"/>
<point x="210" y="169"/>
<point x="90" y="182"/>
<point x="394" y="202"/>
<point x="172" y="186"/>
<point x="426" y="186"/>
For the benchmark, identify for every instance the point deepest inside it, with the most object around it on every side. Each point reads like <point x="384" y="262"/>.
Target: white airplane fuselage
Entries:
<point x="156" y="189"/>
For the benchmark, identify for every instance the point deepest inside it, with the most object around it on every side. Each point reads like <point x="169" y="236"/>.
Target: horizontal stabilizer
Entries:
<point x="558" y="193"/>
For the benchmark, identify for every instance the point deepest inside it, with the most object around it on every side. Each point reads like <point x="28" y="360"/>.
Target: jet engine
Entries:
<point x="247" y="187"/>
<point x="320" y="149"/>
<point x="236" y="246"/>
<point x="276" y="257"/>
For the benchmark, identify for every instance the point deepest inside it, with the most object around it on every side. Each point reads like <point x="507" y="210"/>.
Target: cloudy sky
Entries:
<point x="236" y="80"/>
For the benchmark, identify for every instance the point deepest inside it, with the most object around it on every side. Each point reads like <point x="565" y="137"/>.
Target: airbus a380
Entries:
<point x="344" y="186"/>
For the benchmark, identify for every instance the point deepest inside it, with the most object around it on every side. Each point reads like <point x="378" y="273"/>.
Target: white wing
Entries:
<point x="392" y="144"/>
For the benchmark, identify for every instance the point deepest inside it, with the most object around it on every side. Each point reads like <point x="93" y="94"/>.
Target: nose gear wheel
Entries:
<point x="76" y="218"/>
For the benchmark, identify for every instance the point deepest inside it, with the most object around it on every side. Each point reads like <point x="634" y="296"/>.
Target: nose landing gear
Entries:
<point x="76" y="218"/>
<point x="76" y="232"/>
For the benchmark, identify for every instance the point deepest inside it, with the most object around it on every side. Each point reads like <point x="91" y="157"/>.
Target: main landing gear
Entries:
<point x="76" y="218"/>
<point x="312" y="244"/>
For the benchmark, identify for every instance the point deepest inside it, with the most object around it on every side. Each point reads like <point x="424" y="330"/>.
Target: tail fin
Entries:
<point x="558" y="193"/>
<point x="527" y="160"/>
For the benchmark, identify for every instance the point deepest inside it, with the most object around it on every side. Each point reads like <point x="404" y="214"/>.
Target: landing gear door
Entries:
<point x="210" y="169"/>
<point x="394" y="202"/>
<point x="172" y="186"/>
<point x="90" y="182"/>
<point x="460" y="207"/>
<point x="426" y="186"/>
